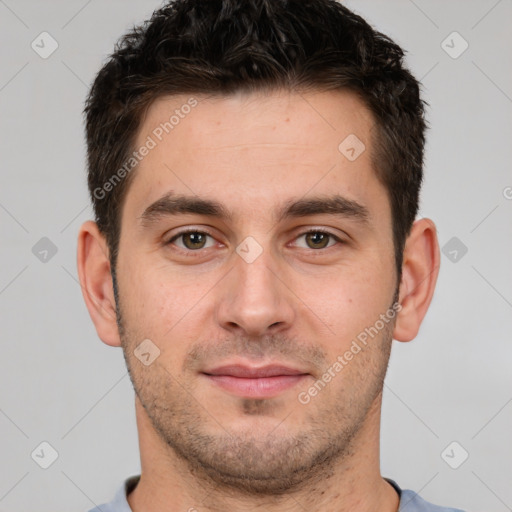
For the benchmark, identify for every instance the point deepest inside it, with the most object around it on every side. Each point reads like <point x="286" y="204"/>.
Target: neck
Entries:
<point x="350" y="483"/>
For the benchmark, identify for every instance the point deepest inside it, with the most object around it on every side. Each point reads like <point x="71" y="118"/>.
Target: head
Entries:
<point x="272" y="117"/>
<point x="218" y="48"/>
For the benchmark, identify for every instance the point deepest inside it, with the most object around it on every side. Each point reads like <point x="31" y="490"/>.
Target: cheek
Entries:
<point x="146" y="300"/>
<point x="351" y="300"/>
<point x="162" y="305"/>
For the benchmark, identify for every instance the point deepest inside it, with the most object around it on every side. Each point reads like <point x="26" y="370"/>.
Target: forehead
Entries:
<point x="278" y="116"/>
<point x="255" y="146"/>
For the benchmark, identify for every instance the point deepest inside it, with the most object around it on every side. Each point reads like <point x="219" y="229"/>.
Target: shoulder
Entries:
<point x="119" y="503"/>
<point x="413" y="502"/>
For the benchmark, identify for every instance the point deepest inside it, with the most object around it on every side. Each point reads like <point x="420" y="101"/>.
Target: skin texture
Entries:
<point x="300" y="303"/>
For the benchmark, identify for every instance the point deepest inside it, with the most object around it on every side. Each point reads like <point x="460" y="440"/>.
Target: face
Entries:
<point x="249" y="240"/>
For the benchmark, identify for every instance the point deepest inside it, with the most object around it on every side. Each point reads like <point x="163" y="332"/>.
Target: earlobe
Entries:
<point x="96" y="282"/>
<point x="420" y="269"/>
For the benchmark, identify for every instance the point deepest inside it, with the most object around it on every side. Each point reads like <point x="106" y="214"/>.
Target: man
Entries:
<point x="255" y="168"/>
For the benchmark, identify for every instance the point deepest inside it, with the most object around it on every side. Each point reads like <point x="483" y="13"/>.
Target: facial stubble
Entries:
<point x="276" y="458"/>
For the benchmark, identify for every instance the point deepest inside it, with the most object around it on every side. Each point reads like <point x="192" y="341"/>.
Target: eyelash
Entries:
<point x="190" y="251"/>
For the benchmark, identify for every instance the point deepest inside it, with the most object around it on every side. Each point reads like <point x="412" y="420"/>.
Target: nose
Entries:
<point x="254" y="298"/>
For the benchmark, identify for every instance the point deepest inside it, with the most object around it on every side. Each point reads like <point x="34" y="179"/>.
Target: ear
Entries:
<point x="420" y="269"/>
<point x="96" y="282"/>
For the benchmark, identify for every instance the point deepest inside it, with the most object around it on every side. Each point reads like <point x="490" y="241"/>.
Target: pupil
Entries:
<point x="195" y="238"/>
<point x="318" y="238"/>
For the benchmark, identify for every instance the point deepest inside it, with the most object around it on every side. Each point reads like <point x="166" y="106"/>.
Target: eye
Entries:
<point x="192" y="240"/>
<point x="319" y="239"/>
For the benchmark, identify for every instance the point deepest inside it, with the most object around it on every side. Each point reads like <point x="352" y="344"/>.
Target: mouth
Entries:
<point x="255" y="382"/>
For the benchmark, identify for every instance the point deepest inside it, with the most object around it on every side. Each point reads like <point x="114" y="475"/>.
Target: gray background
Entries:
<point x="62" y="385"/>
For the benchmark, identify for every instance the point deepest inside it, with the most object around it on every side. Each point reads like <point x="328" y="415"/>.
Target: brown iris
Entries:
<point x="196" y="239"/>
<point x="318" y="239"/>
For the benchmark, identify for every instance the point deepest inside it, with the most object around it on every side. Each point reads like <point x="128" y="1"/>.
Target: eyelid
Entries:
<point x="189" y="230"/>
<point x="205" y="231"/>
<point x="337" y="238"/>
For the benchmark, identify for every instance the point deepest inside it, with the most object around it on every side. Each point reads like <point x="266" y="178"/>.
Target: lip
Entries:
<point x="255" y="382"/>
<point x="253" y="372"/>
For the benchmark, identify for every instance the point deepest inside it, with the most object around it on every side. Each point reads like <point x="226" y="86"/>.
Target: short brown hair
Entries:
<point x="223" y="46"/>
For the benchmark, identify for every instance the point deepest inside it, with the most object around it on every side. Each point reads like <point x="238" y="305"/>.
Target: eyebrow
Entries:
<point x="175" y="204"/>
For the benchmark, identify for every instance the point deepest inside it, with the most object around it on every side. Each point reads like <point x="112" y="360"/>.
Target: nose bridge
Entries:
<point x="256" y="278"/>
<point x="253" y="297"/>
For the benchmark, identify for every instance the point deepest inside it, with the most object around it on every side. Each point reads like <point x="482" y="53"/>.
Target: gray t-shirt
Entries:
<point x="409" y="500"/>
